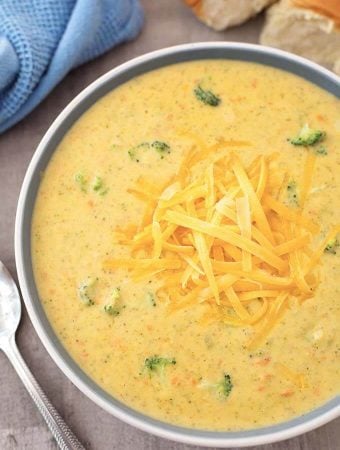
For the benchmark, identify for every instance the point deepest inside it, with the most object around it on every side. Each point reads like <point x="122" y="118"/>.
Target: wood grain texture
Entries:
<point x="168" y="22"/>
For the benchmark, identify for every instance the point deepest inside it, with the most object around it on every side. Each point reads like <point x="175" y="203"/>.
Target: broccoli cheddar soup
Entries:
<point x="186" y="244"/>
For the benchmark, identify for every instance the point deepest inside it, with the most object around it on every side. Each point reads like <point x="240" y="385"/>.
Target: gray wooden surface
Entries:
<point x="168" y="22"/>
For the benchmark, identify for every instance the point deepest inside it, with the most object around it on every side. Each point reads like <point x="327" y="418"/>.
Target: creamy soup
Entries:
<point x="185" y="244"/>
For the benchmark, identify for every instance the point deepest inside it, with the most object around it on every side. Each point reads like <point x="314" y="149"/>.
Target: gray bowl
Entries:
<point x="188" y="52"/>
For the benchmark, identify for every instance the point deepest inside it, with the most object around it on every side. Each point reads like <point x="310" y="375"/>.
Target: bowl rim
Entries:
<point x="263" y="435"/>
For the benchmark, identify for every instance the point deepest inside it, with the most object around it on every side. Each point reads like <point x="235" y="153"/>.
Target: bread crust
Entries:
<point x="222" y="14"/>
<point x="327" y="8"/>
<point x="299" y="26"/>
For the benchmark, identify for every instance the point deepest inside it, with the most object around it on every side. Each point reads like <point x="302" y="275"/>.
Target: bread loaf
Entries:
<point x="222" y="14"/>
<point x="310" y="28"/>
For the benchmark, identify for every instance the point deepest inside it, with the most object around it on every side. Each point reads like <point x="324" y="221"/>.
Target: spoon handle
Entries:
<point x="66" y="440"/>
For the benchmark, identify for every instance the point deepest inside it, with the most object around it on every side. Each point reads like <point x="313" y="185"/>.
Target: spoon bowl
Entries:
<point x="10" y="305"/>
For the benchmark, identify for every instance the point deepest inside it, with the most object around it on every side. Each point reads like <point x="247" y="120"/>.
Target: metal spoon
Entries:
<point x="10" y="313"/>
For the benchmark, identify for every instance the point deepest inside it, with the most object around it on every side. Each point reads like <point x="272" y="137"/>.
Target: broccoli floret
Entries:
<point x="332" y="246"/>
<point x="206" y="97"/>
<point x="292" y="193"/>
<point x="222" y="388"/>
<point x="133" y="152"/>
<point x="157" y="364"/>
<point x="112" y="310"/>
<point x="86" y="290"/>
<point x="321" y="151"/>
<point x="161" y="147"/>
<point x="150" y="297"/>
<point x="81" y="181"/>
<point x="115" y="306"/>
<point x="308" y="136"/>
<point x="98" y="186"/>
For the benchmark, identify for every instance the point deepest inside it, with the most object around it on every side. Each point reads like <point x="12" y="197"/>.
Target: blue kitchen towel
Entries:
<point x="42" y="40"/>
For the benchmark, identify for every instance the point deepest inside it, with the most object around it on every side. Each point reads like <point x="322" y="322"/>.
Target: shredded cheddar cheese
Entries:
<point x="219" y="235"/>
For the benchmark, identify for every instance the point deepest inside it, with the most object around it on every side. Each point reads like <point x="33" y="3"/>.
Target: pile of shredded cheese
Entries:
<point x="218" y="234"/>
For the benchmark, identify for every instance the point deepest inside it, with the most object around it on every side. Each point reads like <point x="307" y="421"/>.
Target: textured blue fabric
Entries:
<point x="42" y="40"/>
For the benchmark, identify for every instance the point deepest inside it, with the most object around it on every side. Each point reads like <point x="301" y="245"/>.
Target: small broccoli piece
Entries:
<point x="86" y="290"/>
<point x="115" y="306"/>
<point x="112" y="310"/>
<point x="222" y="388"/>
<point x="308" y="136"/>
<point x="157" y="364"/>
<point x="161" y="147"/>
<point x="98" y="186"/>
<point x="81" y="181"/>
<point x="133" y="152"/>
<point x="322" y="151"/>
<point x="292" y="193"/>
<point x="150" y="297"/>
<point x="206" y="97"/>
<point x="332" y="246"/>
